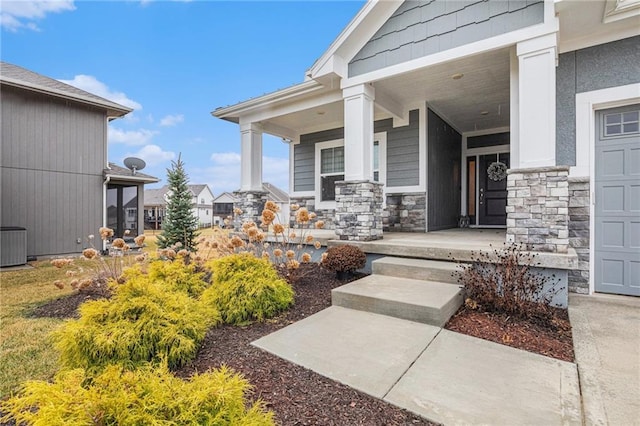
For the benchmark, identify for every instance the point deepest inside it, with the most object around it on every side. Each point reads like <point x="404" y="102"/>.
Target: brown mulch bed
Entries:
<point x="554" y="341"/>
<point x="67" y="306"/>
<point x="301" y="397"/>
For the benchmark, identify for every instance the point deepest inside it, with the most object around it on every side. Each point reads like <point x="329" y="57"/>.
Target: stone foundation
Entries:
<point x="405" y="213"/>
<point x="538" y="208"/>
<point x="579" y="233"/>
<point x="251" y="203"/>
<point x="325" y="215"/>
<point x="358" y="210"/>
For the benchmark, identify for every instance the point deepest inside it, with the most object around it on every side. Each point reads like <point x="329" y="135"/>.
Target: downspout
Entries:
<point x="104" y="207"/>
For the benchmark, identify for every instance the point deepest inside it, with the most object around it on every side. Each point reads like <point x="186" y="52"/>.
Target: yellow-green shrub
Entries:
<point x="142" y="397"/>
<point x="246" y="289"/>
<point x="176" y="275"/>
<point x="143" y="321"/>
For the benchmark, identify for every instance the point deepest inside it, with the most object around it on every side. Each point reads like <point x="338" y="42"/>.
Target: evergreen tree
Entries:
<point x="180" y="224"/>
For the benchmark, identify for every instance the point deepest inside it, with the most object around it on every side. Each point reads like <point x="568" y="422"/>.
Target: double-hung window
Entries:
<point x="331" y="171"/>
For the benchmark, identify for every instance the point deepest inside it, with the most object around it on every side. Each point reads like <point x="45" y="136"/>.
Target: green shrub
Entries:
<point x="141" y="397"/>
<point x="143" y="321"/>
<point x="344" y="258"/>
<point x="246" y="289"/>
<point x="175" y="275"/>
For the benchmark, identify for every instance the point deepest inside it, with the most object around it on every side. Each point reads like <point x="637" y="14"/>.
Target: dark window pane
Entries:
<point x="631" y="128"/>
<point x="630" y="116"/>
<point x="614" y="129"/>
<point x="328" y="187"/>
<point x="376" y="176"/>
<point x="613" y="118"/>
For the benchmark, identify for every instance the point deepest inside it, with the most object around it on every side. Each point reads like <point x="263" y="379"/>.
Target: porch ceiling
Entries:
<point x="485" y="86"/>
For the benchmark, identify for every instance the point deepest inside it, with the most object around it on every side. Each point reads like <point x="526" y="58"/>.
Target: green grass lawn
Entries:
<point x="25" y="350"/>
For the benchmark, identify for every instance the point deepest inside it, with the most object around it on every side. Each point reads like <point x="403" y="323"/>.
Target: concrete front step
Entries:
<point x="417" y="269"/>
<point x="428" y="302"/>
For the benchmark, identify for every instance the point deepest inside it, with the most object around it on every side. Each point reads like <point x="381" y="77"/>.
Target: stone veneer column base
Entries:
<point x="538" y="208"/>
<point x="251" y="203"/>
<point x="579" y="234"/>
<point x="325" y="215"/>
<point x="359" y="210"/>
<point x="405" y="212"/>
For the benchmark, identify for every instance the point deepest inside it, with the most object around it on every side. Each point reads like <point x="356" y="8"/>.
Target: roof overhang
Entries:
<point x="130" y="179"/>
<point x="113" y="109"/>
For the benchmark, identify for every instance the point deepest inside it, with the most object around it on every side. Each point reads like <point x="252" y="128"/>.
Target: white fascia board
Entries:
<point x="131" y="178"/>
<point x="111" y="107"/>
<point x="299" y="90"/>
<point x="355" y="35"/>
<point x="600" y="38"/>
<point x="267" y="111"/>
<point x="471" y="49"/>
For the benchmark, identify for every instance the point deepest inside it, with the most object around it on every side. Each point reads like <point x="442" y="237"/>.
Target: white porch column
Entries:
<point x="534" y="125"/>
<point x="250" y="157"/>
<point x="358" y="132"/>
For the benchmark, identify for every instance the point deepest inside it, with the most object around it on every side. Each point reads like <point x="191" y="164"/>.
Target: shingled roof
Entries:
<point x="120" y="173"/>
<point x="13" y="75"/>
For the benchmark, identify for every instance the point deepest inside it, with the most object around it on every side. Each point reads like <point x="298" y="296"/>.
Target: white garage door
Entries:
<point x="617" y="208"/>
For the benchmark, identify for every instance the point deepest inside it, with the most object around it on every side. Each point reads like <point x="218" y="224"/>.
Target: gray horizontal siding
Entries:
<point x="402" y="153"/>
<point x="53" y="155"/>
<point x="421" y="28"/>
<point x="598" y="67"/>
<point x="304" y="164"/>
<point x="403" y="159"/>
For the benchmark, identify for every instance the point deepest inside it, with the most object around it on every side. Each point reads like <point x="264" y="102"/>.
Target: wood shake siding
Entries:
<point x="421" y="28"/>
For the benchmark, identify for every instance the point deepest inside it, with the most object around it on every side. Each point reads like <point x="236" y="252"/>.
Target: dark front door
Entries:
<point x="492" y="199"/>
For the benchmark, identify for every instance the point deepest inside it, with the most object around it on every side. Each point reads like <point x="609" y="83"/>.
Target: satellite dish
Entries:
<point x="134" y="164"/>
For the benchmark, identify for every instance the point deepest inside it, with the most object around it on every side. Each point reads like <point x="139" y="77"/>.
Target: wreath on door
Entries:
<point x="497" y="171"/>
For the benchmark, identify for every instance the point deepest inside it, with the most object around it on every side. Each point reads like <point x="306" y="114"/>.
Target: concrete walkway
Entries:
<point x="444" y="376"/>
<point x="606" y="336"/>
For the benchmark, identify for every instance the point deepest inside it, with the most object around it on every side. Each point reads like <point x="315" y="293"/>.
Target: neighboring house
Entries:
<point x="410" y="118"/>
<point x="155" y="207"/>
<point x="224" y="203"/>
<point x="54" y="154"/>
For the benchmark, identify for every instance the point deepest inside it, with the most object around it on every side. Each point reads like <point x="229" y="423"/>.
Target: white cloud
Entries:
<point x="224" y="175"/>
<point x="154" y="155"/>
<point x="21" y="14"/>
<point x="130" y="137"/>
<point x="93" y="85"/>
<point x="171" y="120"/>
<point x="226" y="158"/>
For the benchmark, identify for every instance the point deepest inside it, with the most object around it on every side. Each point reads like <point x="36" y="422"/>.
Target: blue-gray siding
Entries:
<point x="421" y="28"/>
<point x="403" y="166"/>
<point x="53" y="154"/>
<point x="402" y="153"/>
<point x="594" y="68"/>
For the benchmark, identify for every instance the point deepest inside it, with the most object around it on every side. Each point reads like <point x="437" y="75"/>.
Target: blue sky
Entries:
<point x="174" y="62"/>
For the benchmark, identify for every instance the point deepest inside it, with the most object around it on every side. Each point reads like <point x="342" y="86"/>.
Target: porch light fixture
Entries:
<point x="457" y="76"/>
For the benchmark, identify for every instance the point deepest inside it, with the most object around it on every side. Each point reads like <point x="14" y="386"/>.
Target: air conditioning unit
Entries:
<point x="13" y="246"/>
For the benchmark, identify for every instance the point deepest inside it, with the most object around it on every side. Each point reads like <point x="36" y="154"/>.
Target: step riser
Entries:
<point x="416" y="273"/>
<point x="421" y="314"/>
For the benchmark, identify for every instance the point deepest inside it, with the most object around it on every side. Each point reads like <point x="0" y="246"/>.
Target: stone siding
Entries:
<point x="251" y="203"/>
<point x="579" y="234"/>
<point x="359" y="210"/>
<point x="325" y="215"/>
<point x="538" y="208"/>
<point x="405" y="213"/>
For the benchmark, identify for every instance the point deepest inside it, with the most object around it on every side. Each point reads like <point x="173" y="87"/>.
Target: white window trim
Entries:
<point x="319" y="204"/>
<point x="587" y="103"/>
<point x="381" y="137"/>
